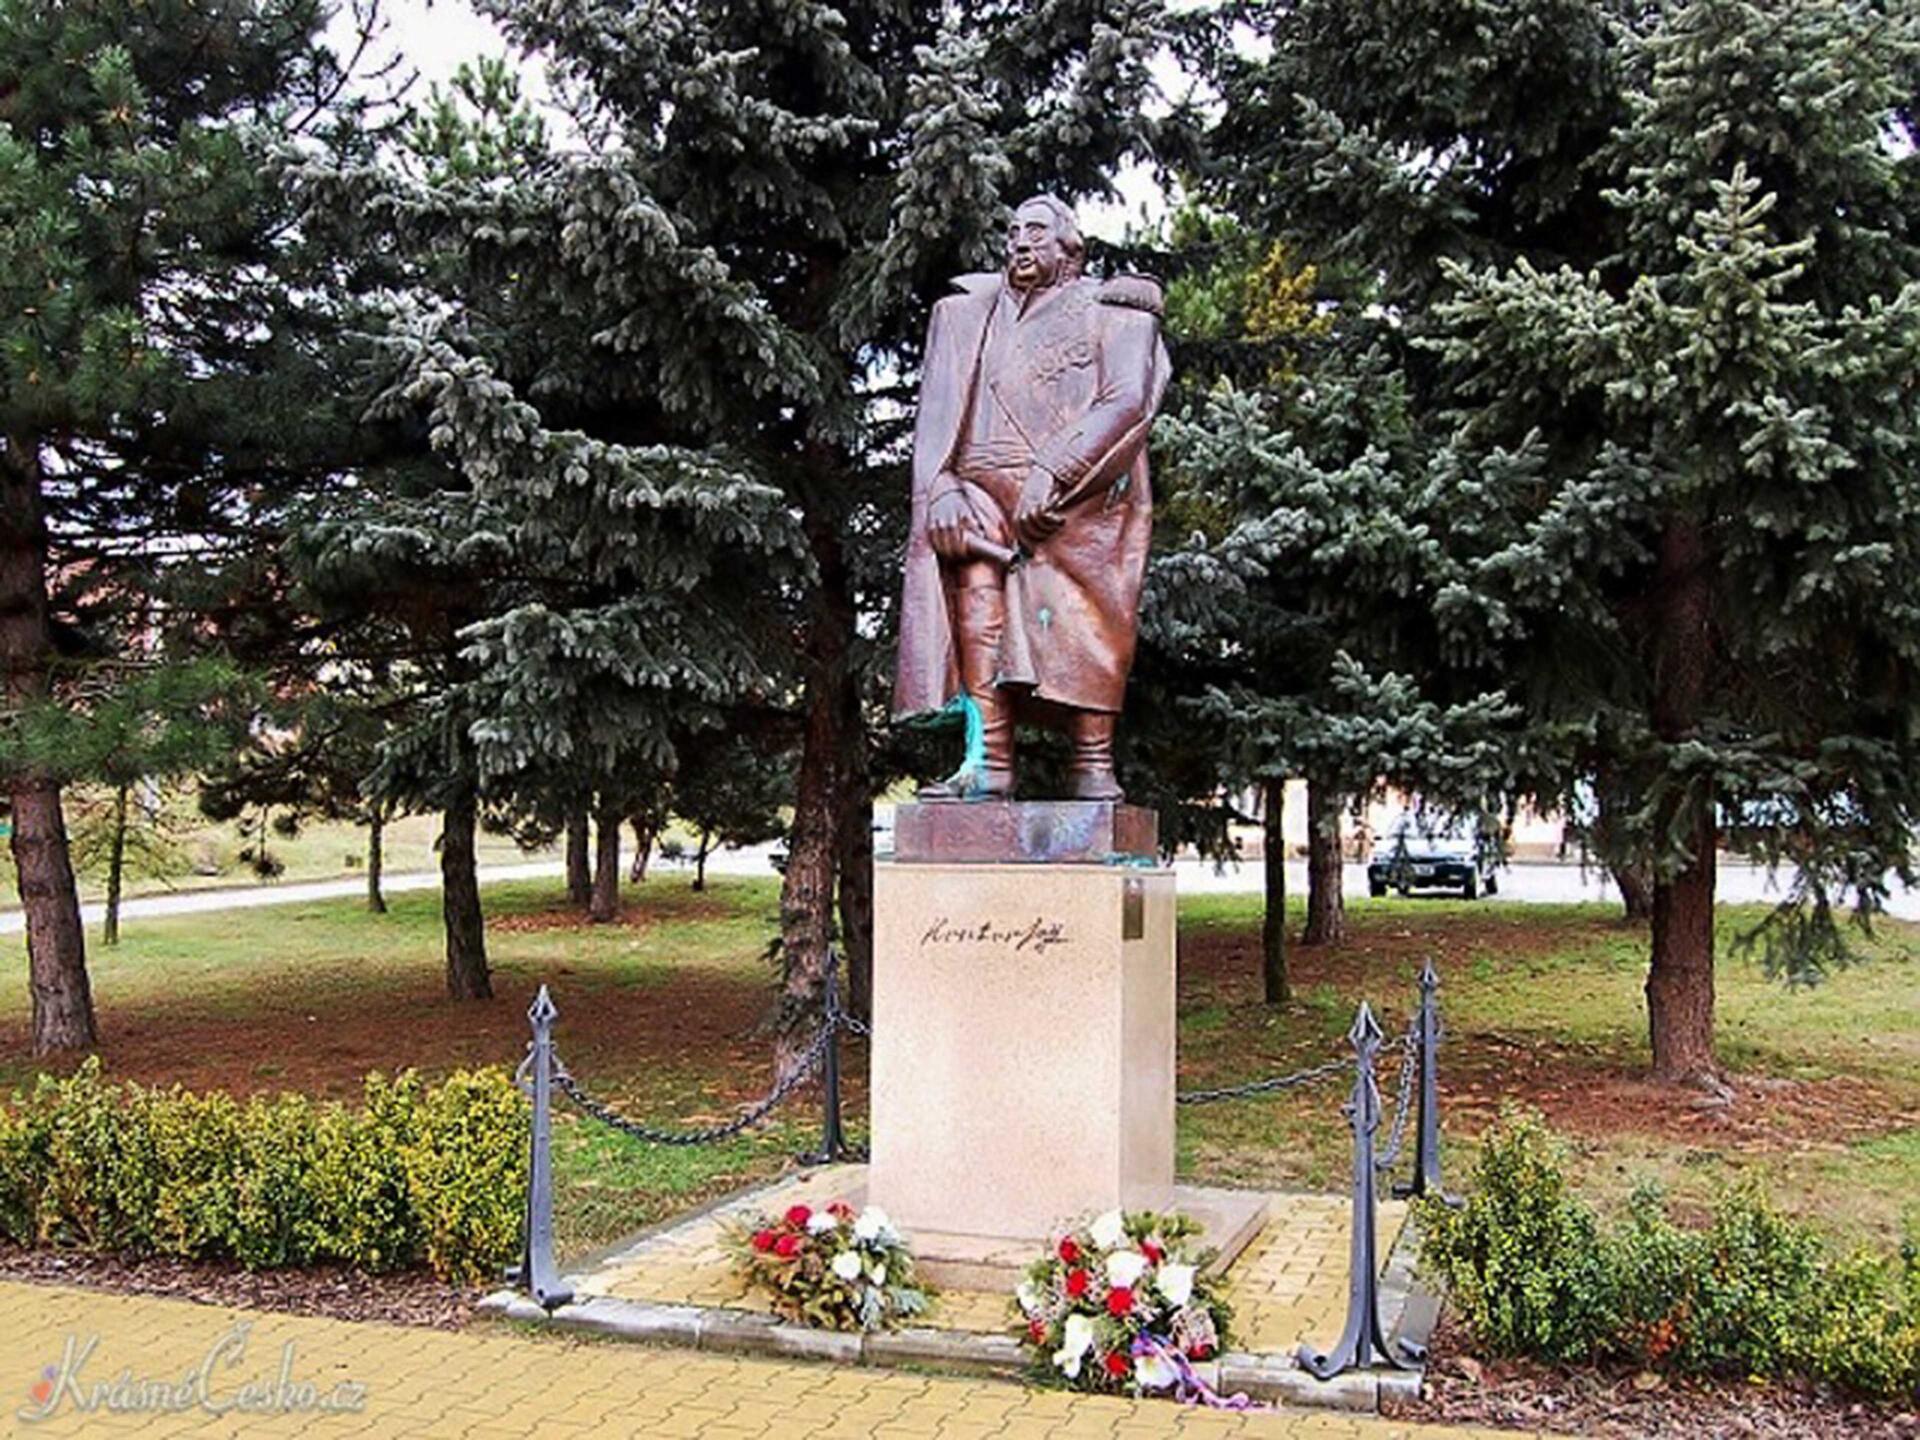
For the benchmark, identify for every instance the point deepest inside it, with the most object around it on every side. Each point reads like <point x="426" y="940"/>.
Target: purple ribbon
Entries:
<point x="1188" y="1387"/>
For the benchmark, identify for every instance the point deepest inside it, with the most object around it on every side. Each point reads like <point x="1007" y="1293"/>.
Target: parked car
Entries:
<point x="1428" y="852"/>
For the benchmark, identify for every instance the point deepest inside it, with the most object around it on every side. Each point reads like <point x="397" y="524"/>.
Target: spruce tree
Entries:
<point x="1284" y="604"/>
<point x="668" y="358"/>
<point x="1654" y="284"/>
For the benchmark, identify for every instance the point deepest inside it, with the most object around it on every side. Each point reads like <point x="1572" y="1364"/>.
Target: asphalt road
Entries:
<point x="1542" y="884"/>
<point x="1534" y="883"/>
<point x="270" y="892"/>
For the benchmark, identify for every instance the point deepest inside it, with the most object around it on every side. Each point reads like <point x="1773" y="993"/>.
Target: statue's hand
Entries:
<point x="949" y="522"/>
<point x="1036" y="521"/>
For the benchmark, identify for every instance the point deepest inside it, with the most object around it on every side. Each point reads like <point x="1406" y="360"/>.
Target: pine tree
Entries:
<point x="310" y="753"/>
<point x="395" y="574"/>
<point x="126" y="737"/>
<point x="150" y="350"/>
<point x="1238" y="311"/>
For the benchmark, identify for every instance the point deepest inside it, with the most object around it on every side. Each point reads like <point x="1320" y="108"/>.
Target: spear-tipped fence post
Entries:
<point x="833" y="1140"/>
<point x="1426" y="1155"/>
<point x="538" y="1273"/>
<point x="1364" y="1339"/>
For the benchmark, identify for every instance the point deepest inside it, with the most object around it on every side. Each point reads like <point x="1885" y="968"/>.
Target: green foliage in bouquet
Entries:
<point x="1122" y="1303"/>
<point x="830" y="1268"/>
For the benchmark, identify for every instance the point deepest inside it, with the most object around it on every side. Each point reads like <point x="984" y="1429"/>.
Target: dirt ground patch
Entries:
<point x="409" y="1297"/>
<point x="1617" y="1401"/>
<point x="706" y="1022"/>
<point x="632" y="917"/>
<point x="1585" y="1094"/>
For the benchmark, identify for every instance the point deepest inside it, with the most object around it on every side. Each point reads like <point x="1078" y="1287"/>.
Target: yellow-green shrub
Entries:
<point x="1522" y="1258"/>
<point x="416" y="1172"/>
<point x="464" y="1187"/>
<point x="362" y="1206"/>
<point x="1756" y="1292"/>
<point x="1864" y="1332"/>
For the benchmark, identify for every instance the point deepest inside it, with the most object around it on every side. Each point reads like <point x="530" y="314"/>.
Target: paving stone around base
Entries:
<point x="675" y="1285"/>
<point x="415" y="1384"/>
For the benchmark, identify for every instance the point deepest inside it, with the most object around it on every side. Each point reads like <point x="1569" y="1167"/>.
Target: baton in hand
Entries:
<point x="981" y="548"/>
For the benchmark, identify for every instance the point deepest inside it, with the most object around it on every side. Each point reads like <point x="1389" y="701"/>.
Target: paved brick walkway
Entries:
<point x="394" y="1382"/>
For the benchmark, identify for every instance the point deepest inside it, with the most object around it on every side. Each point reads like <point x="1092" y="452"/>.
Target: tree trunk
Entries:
<point x="1273" y="923"/>
<point x="579" y="867"/>
<point x="467" y="975"/>
<point x="1620" y="852"/>
<point x="1680" y="981"/>
<point x="376" y="859"/>
<point x="700" y="861"/>
<point x="807" y="888"/>
<point x="646" y="829"/>
<point x="1680" y="975"/>
<point x="56" y="943"/>
<point x="116" y="866"/>
<point x="1636" y="888"/>
<point x="856" y="856"/>
<point x="605" y="905"/>
<point x="1326" y="868"/>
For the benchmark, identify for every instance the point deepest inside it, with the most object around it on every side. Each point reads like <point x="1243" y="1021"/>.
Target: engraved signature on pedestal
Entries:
<point x="1034" y="937"/>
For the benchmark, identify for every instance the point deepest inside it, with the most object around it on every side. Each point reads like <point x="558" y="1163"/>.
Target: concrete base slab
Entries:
<point x="1229" y="1219"/>
<point x="674" y="1285"/>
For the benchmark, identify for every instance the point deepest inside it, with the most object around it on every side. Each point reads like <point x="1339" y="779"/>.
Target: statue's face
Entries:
<point x="1035" y="256"/>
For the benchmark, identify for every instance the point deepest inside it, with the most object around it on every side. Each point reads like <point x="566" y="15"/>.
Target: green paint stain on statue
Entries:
<point x="973" y="768"/>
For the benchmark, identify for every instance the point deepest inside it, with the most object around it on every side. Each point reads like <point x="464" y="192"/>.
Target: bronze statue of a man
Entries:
<point x="1031" y="505"/>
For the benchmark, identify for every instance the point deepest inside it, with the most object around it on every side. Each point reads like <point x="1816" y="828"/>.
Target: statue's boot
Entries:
<point x="981" y="610"/>
<point x="1091" y="774"/>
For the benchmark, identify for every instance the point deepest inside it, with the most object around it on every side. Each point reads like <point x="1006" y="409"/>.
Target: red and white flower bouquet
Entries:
<point x="829" y="1268"/>
<point x="1123" y="1303"/>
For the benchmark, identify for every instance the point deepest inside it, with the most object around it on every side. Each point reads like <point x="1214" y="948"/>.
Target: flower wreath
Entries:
<point x="829" y="1268"/>
<point x="1122" y="1303"/>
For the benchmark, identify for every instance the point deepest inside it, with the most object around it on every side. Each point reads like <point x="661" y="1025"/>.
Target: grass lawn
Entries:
<point x="209" y="855"/>
<point x="661" y="1015"/>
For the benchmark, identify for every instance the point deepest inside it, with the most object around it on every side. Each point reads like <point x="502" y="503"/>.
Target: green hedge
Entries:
<point x="1533" y="1271"/>
<point x="418" y="1173"/>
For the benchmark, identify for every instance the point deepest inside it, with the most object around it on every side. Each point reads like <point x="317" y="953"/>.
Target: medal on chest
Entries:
<point x="1062" y="338"/>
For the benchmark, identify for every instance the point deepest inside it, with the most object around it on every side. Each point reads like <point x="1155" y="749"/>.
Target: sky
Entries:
<point x="437" y="36"/>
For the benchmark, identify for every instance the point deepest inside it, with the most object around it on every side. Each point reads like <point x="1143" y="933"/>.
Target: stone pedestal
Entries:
<point x="1023" y="1050"/>
<point x="1047" y="832"/>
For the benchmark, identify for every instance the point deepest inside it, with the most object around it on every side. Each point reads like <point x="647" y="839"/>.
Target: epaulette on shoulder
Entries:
<point x="1135" y="292"/>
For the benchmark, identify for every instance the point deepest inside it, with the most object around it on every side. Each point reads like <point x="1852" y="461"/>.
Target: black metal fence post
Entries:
<point x="538" y="1273"/>
<point x="833" y="1140"/>
<point x="1426" y="1157"/>
<point x="1364" y="1339"/>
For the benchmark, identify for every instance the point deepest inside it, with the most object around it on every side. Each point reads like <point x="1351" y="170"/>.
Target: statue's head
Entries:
<point x="1044" y="246"/>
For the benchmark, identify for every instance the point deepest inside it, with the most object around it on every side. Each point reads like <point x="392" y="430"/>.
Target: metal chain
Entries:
<point x="606" y="1115"/>
<point x="852" y="1025"/>
<point x="1267" y="1087"/>
<point x="1409" y="1051"/>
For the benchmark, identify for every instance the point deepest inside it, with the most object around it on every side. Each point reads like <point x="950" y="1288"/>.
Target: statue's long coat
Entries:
<point x="1071" y="383"/>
